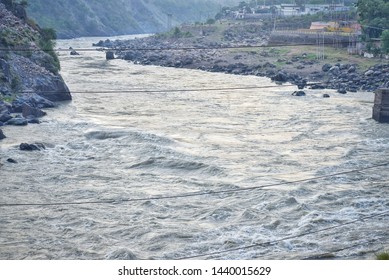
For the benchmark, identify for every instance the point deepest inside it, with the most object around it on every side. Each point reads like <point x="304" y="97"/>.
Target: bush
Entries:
<point x="47" y="44"/>
<point x="383" y="256"/>
<point x="385" y="41"/>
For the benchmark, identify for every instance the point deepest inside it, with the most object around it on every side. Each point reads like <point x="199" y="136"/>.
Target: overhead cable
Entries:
<point x="190" y="194"/>
<point x="274" y="242"/>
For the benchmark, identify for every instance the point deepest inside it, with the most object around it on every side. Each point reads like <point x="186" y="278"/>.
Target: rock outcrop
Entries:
<point x="29" y="79"/>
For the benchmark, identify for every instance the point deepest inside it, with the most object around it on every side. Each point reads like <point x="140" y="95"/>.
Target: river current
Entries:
<point x="136" y="133"/>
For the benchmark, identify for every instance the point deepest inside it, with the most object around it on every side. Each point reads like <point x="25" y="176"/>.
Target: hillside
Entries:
<point x="74" y="18"/>
<point x="29" y="79"/>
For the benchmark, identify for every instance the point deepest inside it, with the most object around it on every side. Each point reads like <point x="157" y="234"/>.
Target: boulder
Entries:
<point x="280" y="77"/>
<point x="2" y="136"/>
<point x="32" y="147"/>
<point x="73" y="52"/>
<point x="335" y="70"/>
<point x="326" y="67"/>
<point x="342" y="91"/>
<point x="4" y="112"/>
<point x="34" y="121"/>
<point x="326" y="95"/>
<point x="317" y="86"/>
<point x="6" y="69"/>
<point x="33" y="100"/>
<point x="352" y="69"/>
<point x="18" y="121"/>
<point x="301" y="85"/>
<point x="53" y="89"/>
<point x="30" y="112"/>
<point x="299" y="93"/>
<point x="11" y="160"/>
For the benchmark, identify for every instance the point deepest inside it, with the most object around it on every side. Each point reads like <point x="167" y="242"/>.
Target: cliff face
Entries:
<point x="29" y="79"/>
<point x="75" y="18"/>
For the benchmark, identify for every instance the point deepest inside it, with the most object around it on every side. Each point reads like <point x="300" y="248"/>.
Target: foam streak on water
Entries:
<point x="120" y="145"/>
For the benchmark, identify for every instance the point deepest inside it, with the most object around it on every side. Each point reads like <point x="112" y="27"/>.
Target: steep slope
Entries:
<point x="73" y="18"/>
<point x="29" y="79"/>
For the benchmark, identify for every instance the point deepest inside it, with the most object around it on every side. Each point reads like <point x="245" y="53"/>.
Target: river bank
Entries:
<point x="244" y="49"/>
<point x="29" y="70"/>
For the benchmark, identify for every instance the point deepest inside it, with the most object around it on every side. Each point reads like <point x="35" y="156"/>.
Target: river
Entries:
<point x="184" y="163"/>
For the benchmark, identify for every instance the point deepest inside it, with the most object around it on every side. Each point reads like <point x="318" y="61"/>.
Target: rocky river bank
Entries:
<point x="29" y="79"/>
<point x="245" y="50"/>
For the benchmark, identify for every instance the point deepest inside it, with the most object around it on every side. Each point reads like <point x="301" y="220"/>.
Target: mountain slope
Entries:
<point x="73" y="18"/>
<point x="29" y="79"/>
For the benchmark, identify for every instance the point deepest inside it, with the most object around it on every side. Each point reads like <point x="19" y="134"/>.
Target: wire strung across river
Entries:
<point x="274" y="242"/>
<point x="220" y="47"/>
<point x="190" y="194"/>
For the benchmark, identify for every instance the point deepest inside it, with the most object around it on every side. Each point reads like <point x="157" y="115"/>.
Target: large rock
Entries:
<point x="4" y="112"/>
<point x="18" y="121"/>
<point x="30" y="112"/>
<point x="2" y="136"/>
<point x="280" y="77"/>
<point x="326" y="67"/>
<point x="299" y="93"/>
<point x="31" y="147"/>
<point x="335" y="70"/>
<point x="33" y="100"/>
<point x="53" y="89"/>
<point x="6" y="69"/>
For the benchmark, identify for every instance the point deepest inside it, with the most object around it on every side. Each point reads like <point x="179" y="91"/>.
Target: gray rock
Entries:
<point x="2" y="136"/>
<point x="334" y="70"/>
<point x="280" y="77"/>
<point x="352" y="69"/>
<point x="4" y="112"/>
<point x="73" y="52"/>
<point x="299" y="93"/>
<point x="342" y="91"/>
<point x="30" y="112"/>
<point x="33" y="100"/>
<point x="369" y="72"/>
<point x="18" y="121"/>
<point x="6" y="69"/>
<point x="34" y="121"/>
<point x="32" y="147"/>
<point x="53" y="90"/>
<point x="11" y="160"/>
<point x="326" y="67"/>
<point x="326" y="95"/>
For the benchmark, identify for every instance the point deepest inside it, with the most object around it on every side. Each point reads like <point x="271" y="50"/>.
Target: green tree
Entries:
<point x="374" y="16"/>
<point x="24" y="3"/>
<point x="385" y="41"/>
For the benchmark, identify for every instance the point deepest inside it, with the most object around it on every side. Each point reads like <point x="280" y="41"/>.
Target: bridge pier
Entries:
<point x="381" y="105"/>
<point x="109" y="55"/>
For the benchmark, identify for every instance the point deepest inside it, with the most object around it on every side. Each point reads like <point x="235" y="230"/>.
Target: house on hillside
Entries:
<point x="340" y="26"/>
<point x="320" y="25"/>
<point x="290" y="10"/>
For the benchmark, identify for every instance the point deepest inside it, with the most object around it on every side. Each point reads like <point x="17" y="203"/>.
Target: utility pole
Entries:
<point x="320" y="45"/>
<point x="169" y="21"/>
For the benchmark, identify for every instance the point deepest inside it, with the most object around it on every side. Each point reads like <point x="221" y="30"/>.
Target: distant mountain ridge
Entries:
<point x="75" y="18"/>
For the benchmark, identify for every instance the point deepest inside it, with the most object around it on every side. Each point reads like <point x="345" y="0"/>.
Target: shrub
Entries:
<point x="383" y="256"/>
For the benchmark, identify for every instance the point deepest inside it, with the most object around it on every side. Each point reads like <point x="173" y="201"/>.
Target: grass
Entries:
<point x="382" y="256"/>
<point x="332" y="55"/>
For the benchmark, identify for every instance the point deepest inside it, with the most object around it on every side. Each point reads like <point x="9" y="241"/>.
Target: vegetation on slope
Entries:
<point x="74" y="18"/>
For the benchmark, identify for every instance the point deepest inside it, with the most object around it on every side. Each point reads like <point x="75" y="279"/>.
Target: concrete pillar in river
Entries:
<point x="109" y="55"/>
<point x="381" y="105"/>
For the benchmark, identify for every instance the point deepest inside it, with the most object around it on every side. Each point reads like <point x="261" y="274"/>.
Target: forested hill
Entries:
<point x="74" y="18"/>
